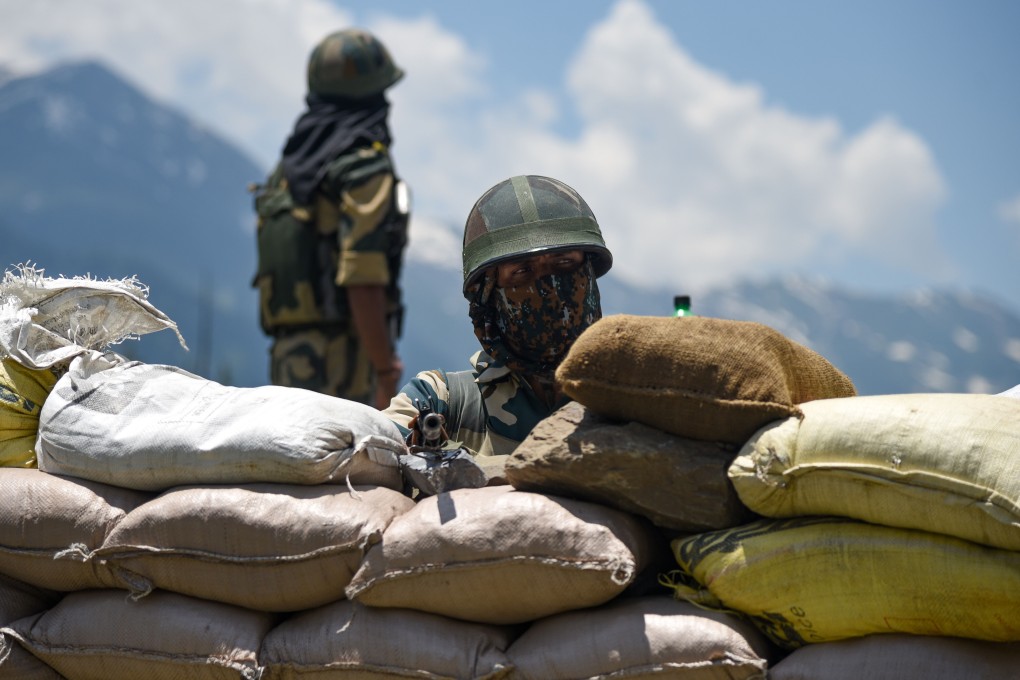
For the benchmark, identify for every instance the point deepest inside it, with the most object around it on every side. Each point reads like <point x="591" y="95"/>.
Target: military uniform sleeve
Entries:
<point x="362" y="184"/>
<point x="428" y="387"/>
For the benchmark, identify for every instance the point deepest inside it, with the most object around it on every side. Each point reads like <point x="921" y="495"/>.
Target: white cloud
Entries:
<point x="696" y="179"/>
<point x="1009" y="211"/>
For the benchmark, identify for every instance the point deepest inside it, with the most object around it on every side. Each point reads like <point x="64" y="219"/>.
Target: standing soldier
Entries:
<point x="532" y="253"/>
<point x="332" y="229"/>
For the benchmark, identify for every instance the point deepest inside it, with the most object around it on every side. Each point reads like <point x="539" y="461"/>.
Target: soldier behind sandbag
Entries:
<point x="333" y="219"/>
<point x="532" y="253"/>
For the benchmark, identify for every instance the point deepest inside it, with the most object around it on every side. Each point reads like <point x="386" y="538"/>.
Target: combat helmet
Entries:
<point x="351" y="64"/>
<point x="525" y="215"/>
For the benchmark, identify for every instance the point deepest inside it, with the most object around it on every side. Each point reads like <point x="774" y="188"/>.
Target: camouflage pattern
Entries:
<point x="351" y="64"/>
<point x="353" y="235"/>
<point x="525" y="215"/>
<point x="328" y="361"/>
<point x="488" y="410"/>
<point x="539" y="322"/>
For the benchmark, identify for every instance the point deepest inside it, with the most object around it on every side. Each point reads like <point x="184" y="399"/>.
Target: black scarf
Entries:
<point x="324" y="132"/>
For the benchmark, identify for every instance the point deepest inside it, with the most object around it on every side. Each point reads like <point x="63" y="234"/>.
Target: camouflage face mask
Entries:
<point x="539" y="322"/>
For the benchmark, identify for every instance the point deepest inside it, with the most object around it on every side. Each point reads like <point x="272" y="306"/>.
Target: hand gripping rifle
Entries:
<point x="431" y="466"/>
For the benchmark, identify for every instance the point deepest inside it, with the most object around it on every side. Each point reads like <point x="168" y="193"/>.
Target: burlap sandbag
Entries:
<point x="497" y="555"/>
<point x="154" y="427"/>
<point x="641" y="637"/>
<point x="823" y="579"/>
<point x="104" y="635"/>
<point x="22" y="393"/>
<point x="901" y="657"/>
<point x="347" y="640"/>
<point x="675" y="482"/>
<point x="270" y="547"/>
<point x="947" y="463"/>
<point x="48" y="522"/>
<point x="697" y="377"/>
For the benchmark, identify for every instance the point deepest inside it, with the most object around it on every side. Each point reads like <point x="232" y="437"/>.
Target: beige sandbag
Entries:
<point x="807" y="580"/>
<point x="496" y="555"/>
<point x="948" y="463"/>
<point x="22" y="393"/>
<point x="16" y="663"/>
<point x="154" y="427"/>
<point x="18" y="600"/>
<point x="104" y="635"/>
<point x="48" y="522"/>
<point x="271" y="547"/>
<point x="641" y="637"/>
<point x="697" y="377"/>
<point x="675" y="482"/>
<point x="901" y="657"/>
<point x="347" y="640"/>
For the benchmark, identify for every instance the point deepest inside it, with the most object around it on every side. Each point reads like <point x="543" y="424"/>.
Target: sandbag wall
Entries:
<point x="215" y="571"/>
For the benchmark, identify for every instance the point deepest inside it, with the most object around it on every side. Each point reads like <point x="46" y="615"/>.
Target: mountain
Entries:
<point x="97" y="178"/>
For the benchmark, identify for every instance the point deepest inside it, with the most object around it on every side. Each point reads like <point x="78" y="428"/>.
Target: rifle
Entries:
<point x="431" y="465"/>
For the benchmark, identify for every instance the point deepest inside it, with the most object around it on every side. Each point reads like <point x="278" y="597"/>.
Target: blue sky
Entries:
<point x="872" y="144"/>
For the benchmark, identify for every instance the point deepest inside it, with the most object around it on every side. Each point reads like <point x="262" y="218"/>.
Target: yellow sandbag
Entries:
<point x="947" y="463"/>
<point x="22" y="393"/>
<point x="823" y="579"/>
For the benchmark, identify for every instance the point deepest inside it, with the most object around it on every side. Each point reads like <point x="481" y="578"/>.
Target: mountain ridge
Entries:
<point x="102" y="179"/>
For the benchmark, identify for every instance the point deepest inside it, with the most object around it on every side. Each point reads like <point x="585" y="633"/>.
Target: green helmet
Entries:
<point x="530" y="214"/>
<point x="351" y="64"/>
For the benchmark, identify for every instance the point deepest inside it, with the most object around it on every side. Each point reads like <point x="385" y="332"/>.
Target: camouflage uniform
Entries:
<point x="350" y="229"/>
<point x="524" y="331"/>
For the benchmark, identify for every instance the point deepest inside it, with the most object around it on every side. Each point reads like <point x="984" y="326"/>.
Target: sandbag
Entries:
<point x="640" y="637"/>
<point x="48" y="521"/>
<point x="104" y="635"/>
<point x="46" y="321"/>
<point x="270" y="547"/>
<point x="946" y="463"/>
<point x="809" y="580"/>
<point x="22" y="393"/>
<point x="347" y="640"/>
<point x="901" y="657"/>
<point x="497" y="555"/>
<point x="154" y="427"/>
<point x="697" y="377"/>
<point x="16" y="663"/>
<point x="675" y="482"/>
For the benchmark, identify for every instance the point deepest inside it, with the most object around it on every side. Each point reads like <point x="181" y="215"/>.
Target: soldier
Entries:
<point x="333" y="221"/>
<point x="532" y="253"/>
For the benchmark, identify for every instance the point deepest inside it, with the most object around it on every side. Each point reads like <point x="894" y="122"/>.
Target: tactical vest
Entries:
<point x="299" y="248"/>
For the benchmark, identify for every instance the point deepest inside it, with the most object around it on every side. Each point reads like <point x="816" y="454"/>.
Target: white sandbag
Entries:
<point x="48" y="521"/>
<point x="44" y="321"/>
<point x="641" y="638"/>
<point x="901" y="657"/>
<point x="348" y="640"/>
<point x="153" y="427"/>
<point x="104" y="635"/>
<point x="500" y="556"/>
<point x="270" y="547"/>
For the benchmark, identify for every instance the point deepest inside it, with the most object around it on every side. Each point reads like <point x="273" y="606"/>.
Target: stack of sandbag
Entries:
<point x="662" y="406"/>
<point x="888" y="515"/>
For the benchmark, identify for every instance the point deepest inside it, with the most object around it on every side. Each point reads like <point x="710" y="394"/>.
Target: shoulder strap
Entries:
<point x="467" y="408"/>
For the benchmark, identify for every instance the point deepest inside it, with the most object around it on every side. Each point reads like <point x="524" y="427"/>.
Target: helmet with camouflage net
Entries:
<point x="526" y="215"/>
<point x="351" y="64"/>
